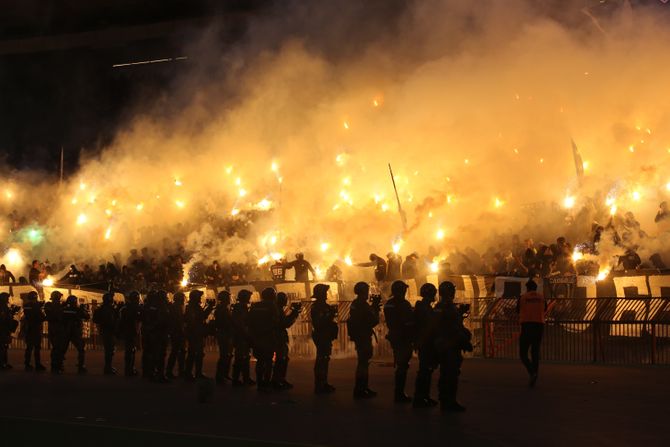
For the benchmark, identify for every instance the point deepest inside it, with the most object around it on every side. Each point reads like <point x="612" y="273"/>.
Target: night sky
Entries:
<point x="57" y="83"/>
<point x="58" y="86"/>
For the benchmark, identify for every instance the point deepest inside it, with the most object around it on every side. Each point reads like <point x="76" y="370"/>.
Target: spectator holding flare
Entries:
<point x="6" y="276"/>
<point x="531" y="307"/>
<point x="380" y="267"/>
<point x="302" y="268"/>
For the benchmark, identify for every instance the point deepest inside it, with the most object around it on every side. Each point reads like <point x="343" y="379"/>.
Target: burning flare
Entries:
<point x="603" y="273"/>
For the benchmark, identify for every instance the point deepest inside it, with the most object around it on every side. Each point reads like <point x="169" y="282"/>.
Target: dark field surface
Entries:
<point x="571" y="405"/>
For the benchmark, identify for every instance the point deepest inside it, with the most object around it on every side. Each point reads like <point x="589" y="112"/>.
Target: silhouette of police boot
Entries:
<point x="188" y="377"/>
<point x="364" y="394"/>
<point x="402" y="398"/>
<point x="282" y="385"/>
<point x="424" y="403"/>
<point x="452" y="407"/>
<point x="326" y="388"/>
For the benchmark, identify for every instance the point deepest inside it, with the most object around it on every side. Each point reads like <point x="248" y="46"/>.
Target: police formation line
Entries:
<point x="434" y="330"/>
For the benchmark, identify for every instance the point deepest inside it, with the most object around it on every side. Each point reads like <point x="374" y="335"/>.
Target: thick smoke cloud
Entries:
<point x="283" y="141"/>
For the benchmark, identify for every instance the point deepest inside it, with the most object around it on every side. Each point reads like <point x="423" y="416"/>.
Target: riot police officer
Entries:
<point x="129" y="321"/>
<point x="177" y="336"/>
<point x="53" y="311"/>
<point x="196" y="331"/>
<point x="149" y="303"/>
<point x="363" y="318"/>
<point x="241" y="341"/>
<point x="223" y="325"/>
<point x="425" y="343"/>
<point x="400" y="321"/>
<point x="263" y="327"/>
<point x="74" y="316"/>
<point x="281" y="350"/>
<point x="449" y="330"/>
<point x="33" y="323"/>
<point x="7" y="327"/>
<point x="324" y="331"/>
<point x="105" y="317"/>
<point x="155" y="329"/>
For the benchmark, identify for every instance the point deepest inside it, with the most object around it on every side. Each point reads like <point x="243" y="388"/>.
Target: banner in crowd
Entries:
<point x="468" y="287"/>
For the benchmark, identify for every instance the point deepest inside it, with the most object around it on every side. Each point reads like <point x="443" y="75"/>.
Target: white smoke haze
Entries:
<point x="474" y="105"/>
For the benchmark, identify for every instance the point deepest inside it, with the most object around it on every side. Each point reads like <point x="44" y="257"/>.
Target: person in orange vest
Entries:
<point x="531" y="307"/>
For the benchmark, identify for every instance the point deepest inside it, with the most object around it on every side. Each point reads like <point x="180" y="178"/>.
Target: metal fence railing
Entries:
<point x="601" y="330"/>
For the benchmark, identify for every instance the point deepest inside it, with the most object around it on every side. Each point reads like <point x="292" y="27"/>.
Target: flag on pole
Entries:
<point x="579" y="164"/>
<point x="403" y="216"/>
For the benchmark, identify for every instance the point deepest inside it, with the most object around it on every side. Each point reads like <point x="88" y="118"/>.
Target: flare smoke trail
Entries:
<point x="474" y="102"/>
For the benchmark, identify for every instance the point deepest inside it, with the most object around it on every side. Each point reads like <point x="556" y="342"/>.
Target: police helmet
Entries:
<point x="428" y="290"/>
<point x="223" y="297"/>
<point x="268" y="294"/>
<point x="361" y="288"/>
<point x="320" y="291"/>
<point x="55" y="295"/>
<point x="151" y="298"/>
<point x="195" y="295"/>
<point x="162" y="296"/>
<point x="282" y="299"/>
<point x="398" y="288"/>
<point x="108" y="298"/>
<point x="71" y="300"/>
<point x="244" y="295"/>
<point x="447" y="289"/>
<point x="4" y="297"/>
<point x="178" y="297"/>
